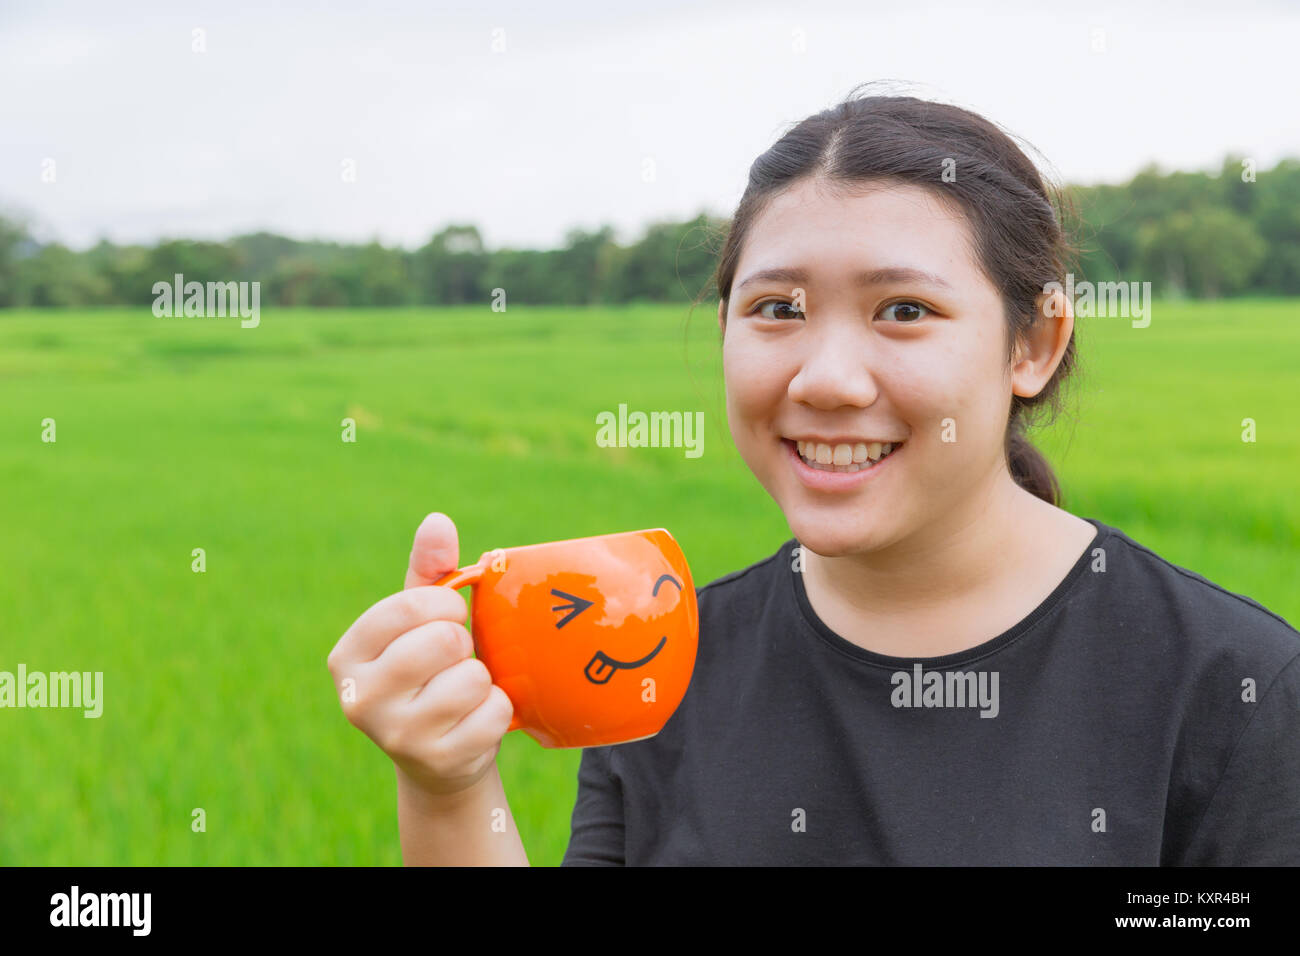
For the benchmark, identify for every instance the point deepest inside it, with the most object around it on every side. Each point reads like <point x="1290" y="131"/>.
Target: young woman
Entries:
<point x="942" y="666"/>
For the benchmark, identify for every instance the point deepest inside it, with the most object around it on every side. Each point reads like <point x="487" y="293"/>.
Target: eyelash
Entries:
<point x="924" y="308"/>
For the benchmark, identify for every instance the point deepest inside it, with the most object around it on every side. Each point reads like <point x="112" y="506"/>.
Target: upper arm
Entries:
<point x="1253" y="817"/>
<point x="597" y="826"/>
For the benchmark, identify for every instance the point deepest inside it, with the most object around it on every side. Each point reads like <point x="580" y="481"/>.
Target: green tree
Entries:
<point x="451" y="266"/>
<point x="57" y="277"/>
<point x="15" y="243"/>
<point x="1209" y="252"/>
<point x="1277" y="215"/>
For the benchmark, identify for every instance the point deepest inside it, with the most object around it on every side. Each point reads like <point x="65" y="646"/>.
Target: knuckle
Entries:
<point x="353" y="710"/>
<point x="427" y="658"/>
<point x="425" y="653"/>
<point x="335" y="662"/>
<point x="392" y="738"/>
<point x="459" y="608"/>
<point x="410" y="605"/>
<point x="477" y="678"/>
<point x="451" y="603"/>
<point x="504" y="705"/>
<point x="334" y="659"/>
<point x="451" y="636"/>
<point x="354" y="717"/>
<point x="359" y="702"/>
<point x="358" y="710"/>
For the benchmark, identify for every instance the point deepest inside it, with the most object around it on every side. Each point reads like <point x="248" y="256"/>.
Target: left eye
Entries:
<point x="913" y="311"/>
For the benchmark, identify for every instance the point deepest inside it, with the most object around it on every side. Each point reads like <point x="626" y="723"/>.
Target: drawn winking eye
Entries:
<point x="602" y="667"/>
<point x="575" y="606"/>
<point x="662" y="579"/>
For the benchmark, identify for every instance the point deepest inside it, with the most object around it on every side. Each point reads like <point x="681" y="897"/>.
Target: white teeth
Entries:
<point x="843" y="457"/>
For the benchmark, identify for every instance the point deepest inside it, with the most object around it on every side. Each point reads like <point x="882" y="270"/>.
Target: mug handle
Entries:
<point x="470" y="575"/>
<point x="459" y="578"/>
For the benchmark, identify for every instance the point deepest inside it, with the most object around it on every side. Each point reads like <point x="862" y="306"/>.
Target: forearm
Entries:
<point x="472" y="828"/>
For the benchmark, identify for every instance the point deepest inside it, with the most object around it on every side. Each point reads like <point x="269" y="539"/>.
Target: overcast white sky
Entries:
<point x="150" y="138"/>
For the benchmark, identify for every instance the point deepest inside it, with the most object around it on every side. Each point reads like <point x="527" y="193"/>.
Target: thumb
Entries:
<point x="435" y="551"/>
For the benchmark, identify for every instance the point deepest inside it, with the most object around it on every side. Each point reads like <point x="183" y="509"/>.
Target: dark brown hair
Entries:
<point x="1013" y="213"/>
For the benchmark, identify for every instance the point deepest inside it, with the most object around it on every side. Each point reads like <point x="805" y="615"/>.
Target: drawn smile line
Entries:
<point x="606" y="666"/>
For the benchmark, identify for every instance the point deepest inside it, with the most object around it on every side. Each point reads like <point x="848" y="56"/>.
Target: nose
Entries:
<point x="835" y="367"/>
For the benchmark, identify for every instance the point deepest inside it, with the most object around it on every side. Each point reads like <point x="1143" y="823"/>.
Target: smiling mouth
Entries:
<point x="851" y="458"/>
<point x="602" y="667"/>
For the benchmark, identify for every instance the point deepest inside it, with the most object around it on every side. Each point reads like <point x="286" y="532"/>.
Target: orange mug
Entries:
<point x="592" y="639"/>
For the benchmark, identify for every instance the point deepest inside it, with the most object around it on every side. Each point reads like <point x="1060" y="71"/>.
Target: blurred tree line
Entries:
<point x="1188" y="233"/>
<point x="1195" y="234"/>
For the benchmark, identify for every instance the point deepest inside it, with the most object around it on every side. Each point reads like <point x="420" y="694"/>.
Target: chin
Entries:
<point x="831" y="537"/>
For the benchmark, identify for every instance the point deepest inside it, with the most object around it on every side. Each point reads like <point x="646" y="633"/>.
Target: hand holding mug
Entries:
<point x="406" y="676"/>
<point x="592" y="639"/>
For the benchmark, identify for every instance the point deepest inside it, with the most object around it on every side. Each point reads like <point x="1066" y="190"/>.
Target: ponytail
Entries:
<point x="1029" y="468"/>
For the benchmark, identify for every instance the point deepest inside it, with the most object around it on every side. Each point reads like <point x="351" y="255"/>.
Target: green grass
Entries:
<point x="175" y="434"/>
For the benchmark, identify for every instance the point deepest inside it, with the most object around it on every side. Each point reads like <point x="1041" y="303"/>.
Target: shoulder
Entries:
<point x="734" y="611"/>
<point x="1148" y="592"/>
<point x="740" y="587"/>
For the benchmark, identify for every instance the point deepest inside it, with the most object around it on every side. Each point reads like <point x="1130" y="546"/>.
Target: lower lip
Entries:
<point x="820" y="480"/>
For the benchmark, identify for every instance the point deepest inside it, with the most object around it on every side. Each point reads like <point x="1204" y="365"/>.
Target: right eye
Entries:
<point x="758" y="310"/>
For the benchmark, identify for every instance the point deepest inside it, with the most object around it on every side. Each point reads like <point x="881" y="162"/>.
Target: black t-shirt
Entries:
<point x="1141" y="715"/>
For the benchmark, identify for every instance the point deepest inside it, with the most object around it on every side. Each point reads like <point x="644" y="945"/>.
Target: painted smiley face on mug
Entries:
<point x="602" y="666"/>
<point x="593" y="639"/>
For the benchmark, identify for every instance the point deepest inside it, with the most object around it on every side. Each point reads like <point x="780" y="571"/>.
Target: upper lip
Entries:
<point x="842" y="440"/>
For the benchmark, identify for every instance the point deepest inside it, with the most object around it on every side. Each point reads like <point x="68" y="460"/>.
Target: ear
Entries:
<point x="722" y="316"/>
<point x="1040" y="349"/>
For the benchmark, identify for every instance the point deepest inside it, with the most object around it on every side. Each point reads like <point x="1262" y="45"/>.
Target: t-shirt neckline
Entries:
<point x="819" y="628"/>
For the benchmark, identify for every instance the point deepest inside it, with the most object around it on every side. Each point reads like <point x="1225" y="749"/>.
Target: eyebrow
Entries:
<point x="867" y="277"/>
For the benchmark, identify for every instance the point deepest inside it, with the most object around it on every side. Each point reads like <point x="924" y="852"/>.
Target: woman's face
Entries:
<point x="901" y="339"/>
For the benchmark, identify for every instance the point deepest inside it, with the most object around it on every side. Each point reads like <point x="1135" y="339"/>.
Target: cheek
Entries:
<point x="755" y="383"/>
<point x="958" y="380"/>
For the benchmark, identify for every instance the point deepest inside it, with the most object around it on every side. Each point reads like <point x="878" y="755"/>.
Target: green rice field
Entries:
<point x="186" y="433"/>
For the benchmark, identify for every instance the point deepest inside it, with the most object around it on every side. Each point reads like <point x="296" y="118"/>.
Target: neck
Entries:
<point x="942" y="560"/>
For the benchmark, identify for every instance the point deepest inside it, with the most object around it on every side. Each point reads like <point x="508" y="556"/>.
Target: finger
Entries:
<point x="435" y="551"/>
<point x="412" y="660"/>
<point x="387" y="619"/>
<point x="475" y="728"/>
<point x="450" y="695"/>
<point x="483" y="726"/>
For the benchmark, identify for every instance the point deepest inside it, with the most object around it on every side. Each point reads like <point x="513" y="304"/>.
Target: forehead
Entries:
<point x="836" y="227"/>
